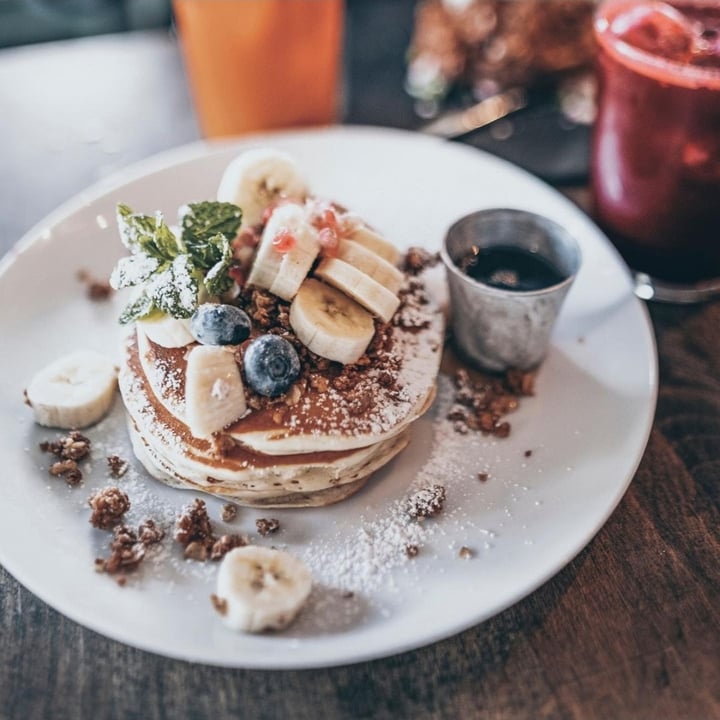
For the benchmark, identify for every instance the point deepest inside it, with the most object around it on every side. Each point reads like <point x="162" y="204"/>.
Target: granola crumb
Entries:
<point x="483" y="476"/>
<point x="126" y="552"/>
<point x="481" y="405"/>
<point x="108" y="506"/>
<point x="67" y="469"/>
<point x="418" y="259"/>
<point x="229" y="512"/>
<point x="267" y="526"/>
<point x="149" y="533"/>
<point x="95" y="289"/>
<point x="427" y="503"/>
<point x="194" y="525"/>
<point x="225" y="543"/>
<point x="196" y="550"/>
<point x="412" y="550"/>
<point x="70" y="449"/>
<point x="220" y="604"/>
<point x="520" y="382"/>
<point x="528" y="453"/>
<point x="121" y="580"/>
<point x="117" y="466"/>
<point x="465" y="553"/>
<point x="348" y="594"/>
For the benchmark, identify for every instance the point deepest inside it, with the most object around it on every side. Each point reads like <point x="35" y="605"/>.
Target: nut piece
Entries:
<point x="229" y="512"/>
<point x="117" y="466"/>
<point x="225" y="543"/>
<point x="267" y="526"/>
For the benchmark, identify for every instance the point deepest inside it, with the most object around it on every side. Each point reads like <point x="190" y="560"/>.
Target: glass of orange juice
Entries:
<point x="262" y="64"/>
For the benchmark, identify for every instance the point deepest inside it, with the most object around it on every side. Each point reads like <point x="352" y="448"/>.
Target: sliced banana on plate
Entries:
<point x="329" y="323"/>
<point x="369" y="293"/>
<point x="214" y="391"/>
<point x="74" y="391"/>
<point x="257" y="178"/>
<point x="261" y="588"/>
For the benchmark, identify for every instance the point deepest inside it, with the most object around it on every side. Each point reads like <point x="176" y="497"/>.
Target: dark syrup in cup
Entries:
<point x="511" y="268"/>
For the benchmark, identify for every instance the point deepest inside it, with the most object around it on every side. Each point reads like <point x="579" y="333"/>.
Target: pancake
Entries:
<point x="321" y="450"/>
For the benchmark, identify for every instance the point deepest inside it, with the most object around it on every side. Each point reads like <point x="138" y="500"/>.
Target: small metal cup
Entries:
<point x="498" y="329"/>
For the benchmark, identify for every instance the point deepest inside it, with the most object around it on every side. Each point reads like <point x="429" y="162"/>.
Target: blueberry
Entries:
<point x="213" y="324"/>
<point x="271" y="365"/>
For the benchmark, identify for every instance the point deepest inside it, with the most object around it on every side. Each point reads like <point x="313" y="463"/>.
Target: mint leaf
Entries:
<point x="172" y="268"/>
<point x="135" y="230"/>
<point x="133" y="270"/>
<point x="217" y="280"/>
<point x="202" y="221"/>
<point x="174" y="288"/>
<point x="148" y="234"/>
<point x="139" y="308"/>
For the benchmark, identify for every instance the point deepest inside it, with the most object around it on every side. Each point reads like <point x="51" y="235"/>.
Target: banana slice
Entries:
<point x="360" y="287"/>
<point x="257" y="178"/>
<point x="167" y="331"/>
<point x="282" y="273"/>
<point x="368" y="238"/>
<point x="329" y="323"/>
<point x="371" y="264"/>
<point x="75" y="391"/>
<point x="214" y="392"/>
<point x="259" y="588"/>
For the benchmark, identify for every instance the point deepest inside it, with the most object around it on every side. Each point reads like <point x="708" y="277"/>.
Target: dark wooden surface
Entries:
<point x="629" y="629"/>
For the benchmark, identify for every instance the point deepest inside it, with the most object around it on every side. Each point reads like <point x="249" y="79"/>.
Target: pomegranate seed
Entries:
<point x="284" y="241"/>
<point x="328" y="240"/>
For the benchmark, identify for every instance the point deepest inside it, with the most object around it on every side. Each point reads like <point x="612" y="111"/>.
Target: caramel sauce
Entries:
<point x="237" y="455"/>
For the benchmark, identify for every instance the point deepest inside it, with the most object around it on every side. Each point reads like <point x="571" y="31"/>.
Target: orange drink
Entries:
<point x="261" y="64"/>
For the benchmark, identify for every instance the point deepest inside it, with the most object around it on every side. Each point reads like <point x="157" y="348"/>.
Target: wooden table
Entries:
<point x="629" y="629"/>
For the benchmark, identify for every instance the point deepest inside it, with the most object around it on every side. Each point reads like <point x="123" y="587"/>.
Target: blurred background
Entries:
<point x="405" y="63"/>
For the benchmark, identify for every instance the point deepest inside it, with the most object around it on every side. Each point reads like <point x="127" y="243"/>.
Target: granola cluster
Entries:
<point x="426" y="503"/>
<point x="117" y="465"/>
<point x="71" y="449"/>
<point x="411" y="315"/>
<point x="418" y="260"/>
<point x="128" y="548"/>
<point x="108" y="507"/>
<point x="482" y="405"/>
<point x="194" y="532"/>
<point x="267" y="526"/>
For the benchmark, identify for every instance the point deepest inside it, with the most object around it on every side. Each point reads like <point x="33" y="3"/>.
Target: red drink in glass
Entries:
<point x="656" y="144"/>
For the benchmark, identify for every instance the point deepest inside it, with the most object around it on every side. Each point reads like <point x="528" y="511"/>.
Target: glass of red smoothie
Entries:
<point x="656" y="143"/>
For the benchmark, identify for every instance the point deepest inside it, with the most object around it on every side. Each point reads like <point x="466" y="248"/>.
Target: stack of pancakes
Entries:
<point x="310" y="450"/>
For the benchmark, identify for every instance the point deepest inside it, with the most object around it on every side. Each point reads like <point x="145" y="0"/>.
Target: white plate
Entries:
<point x="587" y="427"/>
